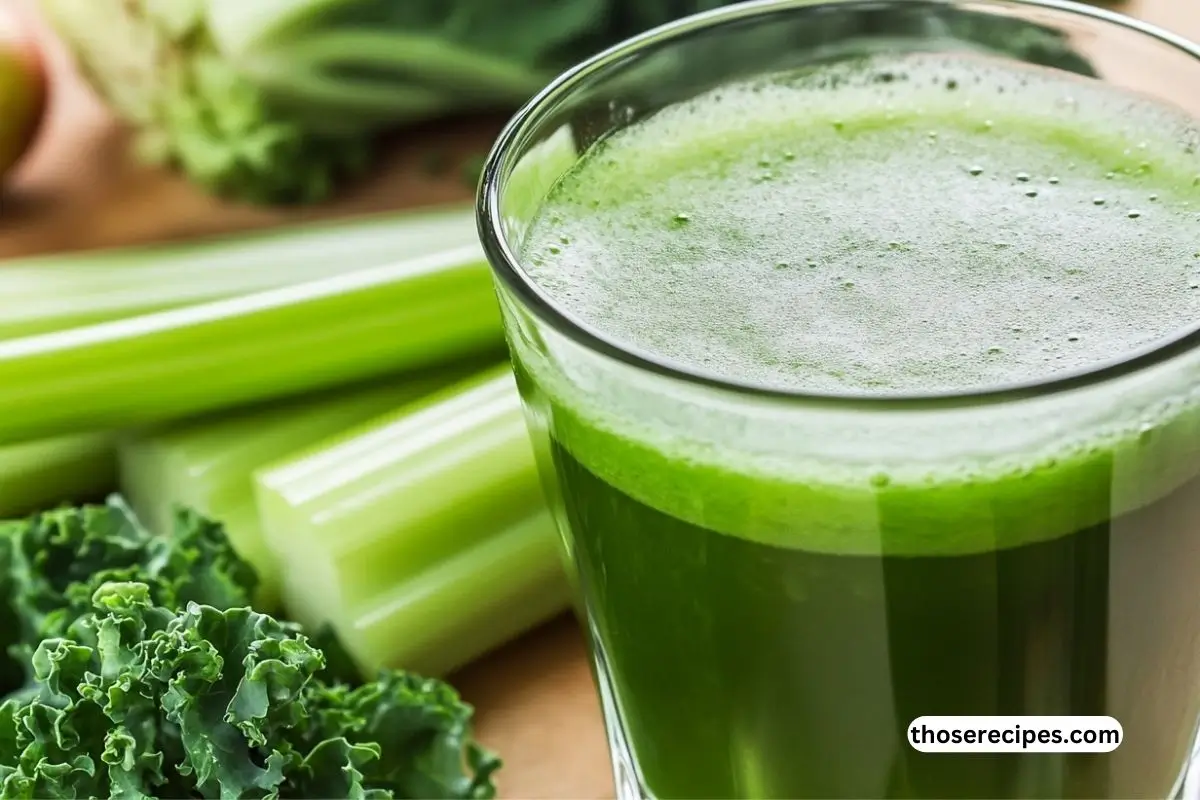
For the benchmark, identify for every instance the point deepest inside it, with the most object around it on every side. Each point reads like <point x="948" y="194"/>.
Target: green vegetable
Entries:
<point x="208" y="464"/>
<point x="64" y="469"/>
<point x="422" y="538"/>
<point x="51" y="563"/>
<point x="152" y="678"/>
<point x="368" y="323"/>
<point x="51" y="293"/>
<point x="279" y="100"/>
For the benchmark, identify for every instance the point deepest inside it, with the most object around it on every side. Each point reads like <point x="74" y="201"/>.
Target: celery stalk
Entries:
<point x="45" y="472"/>
<point x="422" y="538"/>
<point x="369" y="323"/>
<point x="470" y="604"/>
<point x="55" y="292"/>
<point x="207" y="464"/>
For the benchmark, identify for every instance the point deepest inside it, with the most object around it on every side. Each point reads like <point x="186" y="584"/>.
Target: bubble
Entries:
<point x="1023" y="177"/>
<point x="1073" y="337"/>
<point x="1053" y="181"/>
<point x="682" y="218"/>
<point x="1098" y="201"/>
<point x="976" y="170"/>
<point x="782" y="265"/>
<point x="1031" y="193"/>
<point x="1134" y="213"/>
<point x="995" y="351"/>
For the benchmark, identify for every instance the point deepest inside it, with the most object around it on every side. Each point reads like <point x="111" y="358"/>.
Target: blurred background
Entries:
<point x="79" y="187"/>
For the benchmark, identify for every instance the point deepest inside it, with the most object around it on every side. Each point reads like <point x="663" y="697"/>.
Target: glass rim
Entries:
<point x="506" y="265"/>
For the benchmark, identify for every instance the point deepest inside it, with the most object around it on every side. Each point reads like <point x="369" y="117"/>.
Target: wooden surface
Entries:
<point x="78" y="189"/>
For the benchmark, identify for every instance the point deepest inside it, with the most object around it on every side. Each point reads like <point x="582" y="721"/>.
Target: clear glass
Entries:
<point x="737" y="666"/>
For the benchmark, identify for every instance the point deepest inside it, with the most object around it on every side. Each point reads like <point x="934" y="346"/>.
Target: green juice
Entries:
<point x="767" y="627"/>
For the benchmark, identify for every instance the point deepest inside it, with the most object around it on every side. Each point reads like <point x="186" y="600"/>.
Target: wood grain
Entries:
<point x="79" y="189"/>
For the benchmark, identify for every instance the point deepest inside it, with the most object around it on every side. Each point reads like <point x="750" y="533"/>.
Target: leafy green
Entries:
<point x="57" y="560"/>
<point x="152" y="678"/>
<point x="277" y="101"/>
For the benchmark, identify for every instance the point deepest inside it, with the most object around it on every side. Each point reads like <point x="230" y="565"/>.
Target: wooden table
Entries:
<point x="78" y="189"/>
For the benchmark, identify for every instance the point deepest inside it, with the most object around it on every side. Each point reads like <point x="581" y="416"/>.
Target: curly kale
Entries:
<point x="149" y="676"/>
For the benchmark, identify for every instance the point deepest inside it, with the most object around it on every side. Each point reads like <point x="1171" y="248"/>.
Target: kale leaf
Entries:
<point x="147" y="675"/>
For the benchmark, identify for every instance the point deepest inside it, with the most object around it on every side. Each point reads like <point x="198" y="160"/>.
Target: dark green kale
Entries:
<point x="147" y="675"/>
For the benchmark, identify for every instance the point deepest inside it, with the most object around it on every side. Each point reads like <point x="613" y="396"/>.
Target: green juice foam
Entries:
<point x="916" y="224"/>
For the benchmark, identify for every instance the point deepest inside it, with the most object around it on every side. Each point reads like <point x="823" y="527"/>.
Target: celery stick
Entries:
<point x="470" y="604"/>
<point x="45" y="472"/>
<point x="411" y="512"/>
<point x="208" y="464"/>
<point x="365" y="324"/>
<point x="393" y="497"/>
<point x="65" y="290"/>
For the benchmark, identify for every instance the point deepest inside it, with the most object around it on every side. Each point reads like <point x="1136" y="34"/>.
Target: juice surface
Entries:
<point x="918" y="225"/>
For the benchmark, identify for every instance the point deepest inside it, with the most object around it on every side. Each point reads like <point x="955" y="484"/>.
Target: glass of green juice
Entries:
<point x="859" y="347"/>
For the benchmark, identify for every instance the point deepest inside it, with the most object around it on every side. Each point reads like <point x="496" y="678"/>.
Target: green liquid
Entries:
<point x="770" y="629"/>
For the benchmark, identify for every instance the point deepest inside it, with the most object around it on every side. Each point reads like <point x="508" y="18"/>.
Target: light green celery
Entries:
<point x="365" y="324"/>
<point x="56" y="292"/>
<point x="454" y="612"/>
<point x="429" y="524"/>
<point x="207" y="464"/>
<point x="45" y="472"/>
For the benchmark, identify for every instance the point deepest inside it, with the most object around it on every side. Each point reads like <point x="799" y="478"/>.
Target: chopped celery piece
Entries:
<point x="423" y="538"/>
<point x="365" y="324"/>
<point x="208" y="464"/>
<point x="454" y="612"/>
<point x="46" y="472"/>
<point x="55" y="292"/>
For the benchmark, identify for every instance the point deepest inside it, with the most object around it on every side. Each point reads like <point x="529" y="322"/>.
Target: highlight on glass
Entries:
<point x="858" y="345"/>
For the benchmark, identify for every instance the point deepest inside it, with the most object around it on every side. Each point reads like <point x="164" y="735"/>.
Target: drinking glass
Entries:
<point x="732" y="662"/>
